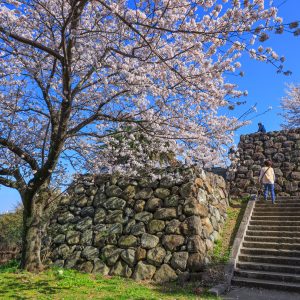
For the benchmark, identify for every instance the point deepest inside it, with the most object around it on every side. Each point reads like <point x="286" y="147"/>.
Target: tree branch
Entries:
<point x="32" y="43"/>
<point x="20" y="152"/>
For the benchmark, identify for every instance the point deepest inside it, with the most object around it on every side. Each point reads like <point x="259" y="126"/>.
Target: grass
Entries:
<point x="69" y="284"/>
<point x="235" y="213"/>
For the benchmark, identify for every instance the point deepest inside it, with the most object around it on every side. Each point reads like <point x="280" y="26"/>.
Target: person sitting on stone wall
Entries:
<point x="261" y="128"/>
<point x="267" y="178"/>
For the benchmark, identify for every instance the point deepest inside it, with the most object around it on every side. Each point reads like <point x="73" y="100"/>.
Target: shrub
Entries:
<point x="11" y="225"/>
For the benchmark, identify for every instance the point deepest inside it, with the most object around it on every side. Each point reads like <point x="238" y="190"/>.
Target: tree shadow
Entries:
<point x="15" y="287"/>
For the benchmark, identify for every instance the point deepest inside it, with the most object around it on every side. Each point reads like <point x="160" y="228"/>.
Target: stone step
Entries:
<point x="275" y="222"/>
<point x="272" y="239"/>
<point x="273" y="246"/>
<point x="275" y="218"/>
<point x="271" y="252"/>
<point x="258" y="213"/>
<point x="269" y="267"/>
<point x="274" y="228"/>
<point x="267" y="275"/>
<point x="277" y="209"/>
<point x="274" y="233"/>
<point x="267" y="284"/>
<point x="278" y="204"/>
<point x="270" y="259"/>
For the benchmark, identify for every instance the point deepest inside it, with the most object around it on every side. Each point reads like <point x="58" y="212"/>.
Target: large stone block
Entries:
<point x="165" y="274"/>
<point x="179" y="260"/>
<point x="114" y="203"/>
<point x="149" y="241"/>
<point x="173" y="242"/>
<point x="165" y="213"/>
<point x="156" y="256"/>
<point x="143" y="271"/>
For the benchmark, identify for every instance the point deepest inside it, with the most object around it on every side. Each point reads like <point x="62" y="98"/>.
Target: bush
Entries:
<point x="11" y="225"/>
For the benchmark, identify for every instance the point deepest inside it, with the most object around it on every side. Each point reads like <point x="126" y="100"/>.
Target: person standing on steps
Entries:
<point x="267" y="178"/>
<point x="261" y="128"/>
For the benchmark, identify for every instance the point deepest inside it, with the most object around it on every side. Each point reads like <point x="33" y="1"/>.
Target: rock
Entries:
<point x="199" y="182"/>
<point x="65" y="218"/>
<point x="121" y="269"/>
<point x="127" y="241"/>
<point x="201" y="196"/>
<point x="87" y="212"/>
<point x="129" y="192"/>
<point x="82" y="201"/>
<point x="139" y="205"/>
<point x="195" y="208"/>
<point x="114" y="203"/>
<point x="59" y="263"/>
<point x="99" y="199"/>
<point x="148" y="182"/>
<point x="167" y="182"/>
<point x="144" y="194"/>
<point x="165" y="213"/>
<point x="59" y="239"/>
<point x="144" y="216"/>
<point x="128" y="256"/>
<point x="100" y="267"/>
<point x="165" y="274"/>
<point x="140" y="254"/>
<point x="192" y="226"/>
<point x="90" y="253"/>
<point x="187" y="190"/>
<point x="79" y="189"/>
<point x="84" y="224"/>
<point x="196" y="244"/>
<point x="111" y="254"/>
<point x="100" y="235"/>
<point x="87" y="238"/>
<point x="86" y="267"/>
<point x="115" y="228"/>
<point x="156" y="256"/>
<point x="129" y="226"/>
<point x="149" y="241"/>
<point x="113" y="191"/>
<point x="114" y="216"/>
<point x="171" y="201"/>
<point x="73" y="237"/>
<point x="155" y="226"/>
<point x="295" y="175"/>
<point x="291" y="186"/>
<point x="172" y="242"/>
<point x="72" y="260"/>
<point x="162" y="193"/>
<point x="153" y="204"/>
<point x="173" y="227"/>
<point x="143" y="271"/>
<point x="179" y="260"/>
<point x="207" y="224"/>
<point x="195" y="262"/>
<point x="100" y="215"/>
<point x="138" y="229"/>
<point x="209" y="245"/>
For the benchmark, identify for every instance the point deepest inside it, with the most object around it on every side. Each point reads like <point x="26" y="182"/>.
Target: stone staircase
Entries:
<point x="270" y="253"/>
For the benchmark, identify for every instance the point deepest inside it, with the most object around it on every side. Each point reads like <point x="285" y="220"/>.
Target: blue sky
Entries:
<point x="263" y="84"/>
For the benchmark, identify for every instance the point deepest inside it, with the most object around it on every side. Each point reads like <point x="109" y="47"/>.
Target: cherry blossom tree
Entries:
<point x="290" y="105"/>
<point x="74" y="72"/>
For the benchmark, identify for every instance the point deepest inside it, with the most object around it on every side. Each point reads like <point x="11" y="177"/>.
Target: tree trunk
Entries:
<point x="32" y="234"/>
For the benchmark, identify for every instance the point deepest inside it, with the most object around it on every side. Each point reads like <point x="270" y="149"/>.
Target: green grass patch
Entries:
<point x="72" y="285"/>
<point x="235" y="213"/>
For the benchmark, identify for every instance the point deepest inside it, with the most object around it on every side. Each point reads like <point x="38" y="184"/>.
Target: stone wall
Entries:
<point x="140" y="228"/>
<point x="282" y="147"/>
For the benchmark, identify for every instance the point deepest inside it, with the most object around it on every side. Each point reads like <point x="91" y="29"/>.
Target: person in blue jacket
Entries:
<point x="261" y="128"/>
